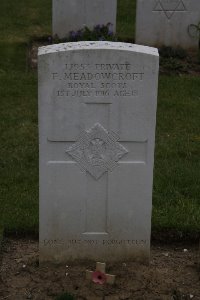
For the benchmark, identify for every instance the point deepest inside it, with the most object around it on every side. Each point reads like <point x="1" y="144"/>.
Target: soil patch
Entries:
<point x="173" y="274"/>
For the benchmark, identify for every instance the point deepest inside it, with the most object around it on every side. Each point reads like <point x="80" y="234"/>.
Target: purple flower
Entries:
<point x="79" y="33"/>
<point x="97" y="27"/>
<point x="110" y="26"/>
<point x="72" y="34"/>
<point x="50" y="39"/>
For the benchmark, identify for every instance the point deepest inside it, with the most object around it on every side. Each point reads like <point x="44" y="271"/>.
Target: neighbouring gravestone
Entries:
<point x="72" y="15"/>
<point x="97" y="116"/>
<point x="166" y="22"/>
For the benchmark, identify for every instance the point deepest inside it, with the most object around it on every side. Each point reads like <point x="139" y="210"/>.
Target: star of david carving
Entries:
<point x="97" y="151"/>
<point x="169" y="8"/>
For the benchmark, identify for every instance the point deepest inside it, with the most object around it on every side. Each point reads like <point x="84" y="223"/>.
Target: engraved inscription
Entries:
<point x="74" y="242"/>
<point x="97" y="151"/>
<point x="169" y="7"/>
<point x="98" y="80"/>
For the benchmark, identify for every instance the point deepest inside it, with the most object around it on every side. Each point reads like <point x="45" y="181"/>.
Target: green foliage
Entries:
<point x="173" y="65"/>
<point x="169" y="52"/>
<point x="65" y="296"/>
<point x="173" y="59"/>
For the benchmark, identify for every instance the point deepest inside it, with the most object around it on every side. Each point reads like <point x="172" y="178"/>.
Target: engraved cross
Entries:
<point x="98" y="151"/>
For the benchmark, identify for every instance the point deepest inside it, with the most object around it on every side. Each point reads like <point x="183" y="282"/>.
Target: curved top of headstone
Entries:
<point x="97" y="45"/>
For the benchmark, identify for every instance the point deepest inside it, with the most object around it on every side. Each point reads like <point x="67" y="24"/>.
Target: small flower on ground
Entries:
<point x="99" y="32"/>
<point x="50" y="39"/>
<point x="110" y="26"/>
<point x="72" y="34"/>
<point x="98" y="277"/>
<point x="97" y="27"/>
<point x="79" y="33"/>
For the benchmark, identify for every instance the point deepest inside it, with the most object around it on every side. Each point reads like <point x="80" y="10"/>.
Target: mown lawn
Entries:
<point x="176" y="201"/>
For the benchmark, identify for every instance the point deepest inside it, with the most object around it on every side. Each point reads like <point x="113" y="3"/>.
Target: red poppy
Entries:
<point x="98" y="277"/>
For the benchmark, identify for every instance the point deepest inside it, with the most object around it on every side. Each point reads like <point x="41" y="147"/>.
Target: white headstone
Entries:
<point x="97" y="117"/>
<point x="165" y="22"/>
<point x="72" y="15"/>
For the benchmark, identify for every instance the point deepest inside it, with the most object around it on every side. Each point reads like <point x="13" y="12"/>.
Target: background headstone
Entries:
<point x="97" y="117"/>
<point x="72" y="15"/>
<point x="165" y="22"/>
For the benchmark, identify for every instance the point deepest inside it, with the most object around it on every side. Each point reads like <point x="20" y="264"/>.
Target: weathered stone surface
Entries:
<point x="72" y="15"/>
<point x="97" y="116"/>
<point x="165" y="22"/>
<point x="94" y="144"/>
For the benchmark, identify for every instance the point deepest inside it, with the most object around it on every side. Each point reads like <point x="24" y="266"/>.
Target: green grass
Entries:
<point x="65" y="296"/>
<point x="176" y="178"/>
<point x="176" y="201"/>
<point x="126" y="19"/>
<point x="19" y="146"/>
<point x="19" y="20"/>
